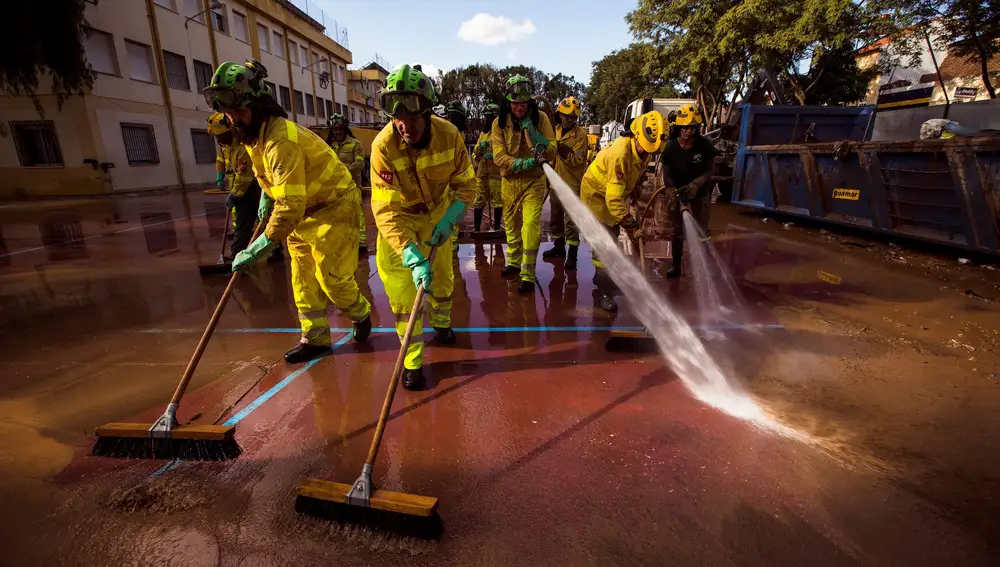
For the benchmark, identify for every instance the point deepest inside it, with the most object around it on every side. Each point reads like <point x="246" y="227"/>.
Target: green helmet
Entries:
<point x="234" y="85"/>
<point x="456" y="108"/>
<point x="407" y="89"/>
<point x="519" y="88"/>
<point x="336" y="120"/>
<point x="491" y="109"/>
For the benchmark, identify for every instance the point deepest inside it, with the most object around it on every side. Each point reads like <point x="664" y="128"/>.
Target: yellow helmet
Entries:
<point x="650" y="131"/>
<point x="688" y="115"/>
<point x="569" y="105"/>
<point x="218" y="124"/>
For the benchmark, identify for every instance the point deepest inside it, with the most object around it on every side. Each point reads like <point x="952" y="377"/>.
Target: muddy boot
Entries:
<point x="571" y="258"/>
<point x="677" y="251"/>
<point x="526" y="286"/>
<point x="605" y="301"/>
<point x="413" y="379"/>
<point x="477" y="218"/>
<point x="444" y="335"/>
<point x="304" y="351"/>
<point x="497" y="217"/>
<point x="558" y="249"/>
<point x="510" y="271"/>
<point x="362" y="329"/>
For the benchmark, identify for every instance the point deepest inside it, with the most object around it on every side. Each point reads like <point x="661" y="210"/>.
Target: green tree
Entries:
<point x="623" y="76"/>
<point x="45" y="39"/>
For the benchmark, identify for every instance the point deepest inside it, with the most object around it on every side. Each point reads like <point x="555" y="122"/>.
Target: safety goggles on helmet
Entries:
<point x="224" y="98"/>
<point x="519" y="92"/>
<point x="394" y="104"/>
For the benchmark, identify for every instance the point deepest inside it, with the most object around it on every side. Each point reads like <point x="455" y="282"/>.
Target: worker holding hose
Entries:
<point x="349" y="152"/>
<point x="487" y="173"/>
<point x="234" y="172"/>
<point x="422" y="184"/>
<point x="610" y="180"/>
<point x="571" y="164"/>
<point x="686" y="164"/>
<point x="522" y="139"/>
<point x="308" y="198"/>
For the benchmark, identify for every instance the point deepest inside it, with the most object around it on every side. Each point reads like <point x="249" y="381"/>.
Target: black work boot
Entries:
<point x="362" y="329"/>
<point x="677" y="252"/>
<point x="477" y="218"/>
<point x="571" y="257"/>
<point x="605" y="301"/>
<point x="444" y="335"/>
<point x="497" y="217"/>
<point x="558" y="249"/>
<point x="304" y="352"/>
<point x="413" y="379"/>
<point x="526" y="286"/>
<point x="510" y="271"/>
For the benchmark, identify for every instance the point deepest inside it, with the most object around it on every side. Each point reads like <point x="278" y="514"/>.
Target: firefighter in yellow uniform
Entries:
<point x="487" y="173"/>
<point x="521" y="136"/>
<point x="348" y="150"/>
<point x="571" y="164"/>
<point x="455" y="113"/>
<point x="308" y="197"/>
<point x="610" y="180"/>
<point x="422" y="184"/>
<point x="234" y="173"/>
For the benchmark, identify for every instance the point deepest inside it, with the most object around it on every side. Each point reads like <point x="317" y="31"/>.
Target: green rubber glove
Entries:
<point x="220" y="180"/>
<point x="524" y="164"/>
<point x="419" y="267"/>
<point x="445" y="226"/>
<point x="534" y="135"/>
<point x="258" y="249"/>
<point x="483" y="145"/>
<point x="265" y="206"/>
<point x="488" y="155"/>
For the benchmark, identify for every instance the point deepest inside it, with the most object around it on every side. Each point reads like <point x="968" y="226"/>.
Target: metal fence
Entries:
<point x="333" y="30"/>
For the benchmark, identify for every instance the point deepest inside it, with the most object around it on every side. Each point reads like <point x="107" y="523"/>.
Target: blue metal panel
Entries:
<point x="773" y="125"/>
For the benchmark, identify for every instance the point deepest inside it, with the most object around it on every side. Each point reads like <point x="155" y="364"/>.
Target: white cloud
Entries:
<point x="488" y="29"/>
<point x="512" y="52"/>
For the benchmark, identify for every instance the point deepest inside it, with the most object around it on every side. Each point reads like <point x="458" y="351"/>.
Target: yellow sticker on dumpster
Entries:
<point x="847" y="194"/>
<point x="828" y="277"/>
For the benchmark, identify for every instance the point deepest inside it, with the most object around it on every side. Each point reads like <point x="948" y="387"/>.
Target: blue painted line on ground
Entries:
<point x="277" y="330"/>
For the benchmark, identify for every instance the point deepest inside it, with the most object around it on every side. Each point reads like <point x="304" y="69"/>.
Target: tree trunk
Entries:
<point x="984" y="64"/>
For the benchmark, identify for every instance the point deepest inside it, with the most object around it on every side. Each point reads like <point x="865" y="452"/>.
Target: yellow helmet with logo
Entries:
<point x="650" y="131"/>
<point x="688" y="115"/>
<point x="218" y="124"/>
<point x="569" y="105"/>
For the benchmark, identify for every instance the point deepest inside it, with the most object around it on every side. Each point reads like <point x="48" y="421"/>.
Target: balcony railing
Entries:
<point x="332" y="29"/>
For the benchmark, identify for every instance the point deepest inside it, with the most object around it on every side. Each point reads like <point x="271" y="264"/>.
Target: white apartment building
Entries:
<point x="143" y="125"/>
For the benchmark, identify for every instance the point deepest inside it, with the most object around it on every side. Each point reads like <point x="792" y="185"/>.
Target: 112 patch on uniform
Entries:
<point x="386" y="176"/>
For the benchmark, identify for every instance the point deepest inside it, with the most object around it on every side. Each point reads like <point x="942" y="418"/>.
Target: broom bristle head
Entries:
<point x="406" y="525"/>
<point x="150" y="448"/>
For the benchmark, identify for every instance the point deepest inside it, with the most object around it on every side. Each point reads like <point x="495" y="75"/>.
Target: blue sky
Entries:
<point x="556" y="37"/>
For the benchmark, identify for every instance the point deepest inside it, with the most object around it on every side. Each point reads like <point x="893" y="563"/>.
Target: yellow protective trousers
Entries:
<point x="324" y="251"/>
<point x="488" y="193"/>
<point x="522" y="218"/>
<point x="399" y="286"/>
<point x="363" y="233"/>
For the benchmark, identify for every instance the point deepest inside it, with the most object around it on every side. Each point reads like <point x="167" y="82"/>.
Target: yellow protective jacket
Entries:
<point x="411" y="187"/>
<point x="510" y="141"/>
<point x="233" y="161"/>
<point x="610" y="178"/>
<point x="572" y="168"/>
<point x="350" y="154"/>
<point x="485" y="168"/>
<point x="299" y="171"/>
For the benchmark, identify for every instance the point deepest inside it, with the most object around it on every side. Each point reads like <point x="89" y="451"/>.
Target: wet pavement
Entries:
<point x="543" y="448"/>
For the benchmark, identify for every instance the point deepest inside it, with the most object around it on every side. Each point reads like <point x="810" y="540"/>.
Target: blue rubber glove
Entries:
<point x="534" y="135"/>
<point x="265" y="206"/>
<point x="220" y="180"/>
<point x="230" y="201"/>
<point x="257" y="250"/>
<point x="419" y="267"/>
<point x="524" y="164"/>
<point x="488" y="155"/>
<point x="445" y="226"/>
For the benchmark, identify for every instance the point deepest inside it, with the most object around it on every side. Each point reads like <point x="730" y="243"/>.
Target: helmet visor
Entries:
<point x="519" y="92"/>
<point x="394" y="104"/>
<point x="223" y="98"/>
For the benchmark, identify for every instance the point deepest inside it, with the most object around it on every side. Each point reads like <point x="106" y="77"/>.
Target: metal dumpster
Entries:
<point x="945" y="191"/>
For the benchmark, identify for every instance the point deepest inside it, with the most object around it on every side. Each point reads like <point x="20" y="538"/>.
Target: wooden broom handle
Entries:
<point x="203" y="343"/>
<point x="225" y="231"/>
<point x="416" y="315"/>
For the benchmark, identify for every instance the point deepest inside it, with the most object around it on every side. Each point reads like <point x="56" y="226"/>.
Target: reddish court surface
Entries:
<point x="543" y="448"/>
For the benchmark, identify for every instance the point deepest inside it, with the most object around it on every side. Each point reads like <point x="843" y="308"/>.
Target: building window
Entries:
<point x="140" y="61"/>
<point x="177" y="73"/>
<point x="329" y="108"/>
<point x="293" y="51"/>
<point x="279" y="45"/>
<point x="286" y="99"/>
<point x="219" y="19"/>
<point x="100" y="48"/>
<point x="240" y="26"/>
<point x="204" y="146"/>
<point x="168" y="4"/>
<point x="317" y="67"/>
<point x="303" y="56"/>
<point x="36" y="142"/>
<point x="202" y="74"/>
<point x="193" y="7"/>
<point x="298" y="102"/>
<point x="272" y="86"/>
<point x="310" y="111"/>
<point x="320" y="107"/>
<point x="140" y="144"/>
<point x="263" y="40"/>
